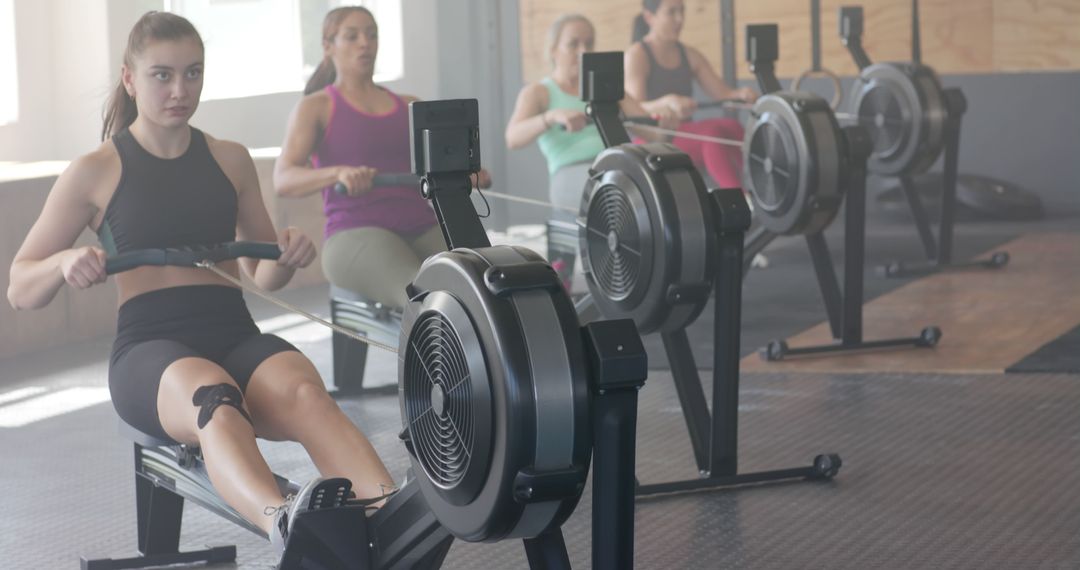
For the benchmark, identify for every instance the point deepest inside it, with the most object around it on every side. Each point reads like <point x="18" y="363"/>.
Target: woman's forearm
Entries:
<point x="34" y="283"/>
<point x="270" y="276"/>
<point x="522" y="133"/>
<point x="300" y="181"/>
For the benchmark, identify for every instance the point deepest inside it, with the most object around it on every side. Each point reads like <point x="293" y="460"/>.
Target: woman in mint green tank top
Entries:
<point x="553" y="102"/>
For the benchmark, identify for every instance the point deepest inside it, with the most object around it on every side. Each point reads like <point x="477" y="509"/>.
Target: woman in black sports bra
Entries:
<point x="188" y="363"/>
<point x="661" y="72"/>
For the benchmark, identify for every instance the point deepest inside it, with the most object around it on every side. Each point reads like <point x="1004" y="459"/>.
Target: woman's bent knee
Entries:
<point x="192" y="394"/>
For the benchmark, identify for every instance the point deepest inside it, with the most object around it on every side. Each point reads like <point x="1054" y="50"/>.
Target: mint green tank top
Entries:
<point x="561" y="148"/>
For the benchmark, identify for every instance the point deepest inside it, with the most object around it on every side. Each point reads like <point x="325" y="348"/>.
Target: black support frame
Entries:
<point x="939" y="252"/>
<point x="713" y="436"/>
<point x="159" y="514"/>
<point x="843" y="306"/>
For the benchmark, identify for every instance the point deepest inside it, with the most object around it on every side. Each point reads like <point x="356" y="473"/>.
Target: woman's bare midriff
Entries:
<point x="133" y="283"/>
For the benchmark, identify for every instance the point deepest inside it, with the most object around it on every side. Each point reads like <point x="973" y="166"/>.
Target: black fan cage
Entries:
<point x="772" y="168"/>
<point x="438" y="396"/>
<point x="613" y="242"/>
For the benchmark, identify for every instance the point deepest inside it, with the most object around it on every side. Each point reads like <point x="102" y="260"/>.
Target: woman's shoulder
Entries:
<point x="636" y="49"/>
<point x="693" y="55"/>
<point x="312" y="109"/>
<point x="96" y="164"/>
<point x="539" y="88"/>
<point x="95" y="173"/>
<point x="537" y="91"/>
<point x="636" y="58"/>
<point x="405" y="98"/>
<point x="224" y="146"/>
<point x="231" y="155"/>
<point x="316" y="101"/>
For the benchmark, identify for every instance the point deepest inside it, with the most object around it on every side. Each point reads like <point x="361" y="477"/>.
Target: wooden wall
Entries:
<point x="958" y="36"/>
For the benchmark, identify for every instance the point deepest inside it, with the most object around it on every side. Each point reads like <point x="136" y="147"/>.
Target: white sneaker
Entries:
<point x="318" y="493"/>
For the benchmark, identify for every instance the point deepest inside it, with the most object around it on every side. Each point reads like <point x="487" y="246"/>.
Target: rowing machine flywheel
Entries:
<point x="902" y="106"/>
<point x="792" y="160"/>
<point x="646" y="237"/>
<point x="494" y="393"/>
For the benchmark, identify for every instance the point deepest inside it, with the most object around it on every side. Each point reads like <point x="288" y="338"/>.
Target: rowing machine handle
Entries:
<point x="384" y="180"/>
<point x="188" y="257"/>
<point x="719" y="103"/>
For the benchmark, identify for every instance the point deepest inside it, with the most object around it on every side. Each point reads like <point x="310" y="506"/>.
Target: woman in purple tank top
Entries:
<point x="344" y="130"/>
<point x="661" y="71"/>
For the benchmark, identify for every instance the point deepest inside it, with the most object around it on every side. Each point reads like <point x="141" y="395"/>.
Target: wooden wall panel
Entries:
<point x="1036" y="34"/>
<point x="613" y="20"/>
<point x="958" y="36"/>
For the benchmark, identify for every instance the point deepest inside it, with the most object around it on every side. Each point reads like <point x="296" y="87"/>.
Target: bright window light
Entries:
<point x="50" y="405"/>
<point x="9" y="87"/>
<point x="252" y="46"/>
<point x="20" y="394"/>
<point x="256" y="47"/>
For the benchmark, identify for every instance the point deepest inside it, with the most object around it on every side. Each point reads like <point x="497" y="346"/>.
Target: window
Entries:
<point x="9" y="87"/>
<point x="255" y="47"/>
<point x="252" y="46"/>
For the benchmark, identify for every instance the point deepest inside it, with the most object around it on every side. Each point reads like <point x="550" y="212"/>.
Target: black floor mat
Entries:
<point x="1059" y="355"/>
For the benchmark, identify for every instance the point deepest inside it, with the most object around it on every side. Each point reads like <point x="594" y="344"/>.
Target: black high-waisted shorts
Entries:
<point x="158" y="328"/>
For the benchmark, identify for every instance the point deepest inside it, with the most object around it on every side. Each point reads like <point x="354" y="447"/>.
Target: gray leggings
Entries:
<point x="565" y="189"/>
<point x="566" y="186"/>
<point x="378" y="263"/>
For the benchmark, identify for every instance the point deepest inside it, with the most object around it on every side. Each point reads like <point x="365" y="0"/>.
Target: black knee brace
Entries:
<point x="210" y="397"/>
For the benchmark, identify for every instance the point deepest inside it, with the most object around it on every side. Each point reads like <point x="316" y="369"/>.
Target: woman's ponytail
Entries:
<point x="641" y="29"/>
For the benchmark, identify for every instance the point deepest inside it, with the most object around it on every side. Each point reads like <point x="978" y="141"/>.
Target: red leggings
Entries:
<point x="723" y="162"/>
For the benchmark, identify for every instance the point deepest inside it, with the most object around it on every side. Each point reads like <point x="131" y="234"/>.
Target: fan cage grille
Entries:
<point x="437" y="378"/>
<point x="613" y="242"/>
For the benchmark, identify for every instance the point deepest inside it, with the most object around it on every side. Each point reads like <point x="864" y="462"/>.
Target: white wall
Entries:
<point x="80" y="75"/>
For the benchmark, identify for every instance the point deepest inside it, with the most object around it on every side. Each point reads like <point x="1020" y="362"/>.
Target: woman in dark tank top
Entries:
<point x="189" y="364"/>
<point x="661" y="71"/>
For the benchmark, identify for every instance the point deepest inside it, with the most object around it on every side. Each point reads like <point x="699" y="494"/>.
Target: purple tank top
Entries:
<point x="355" y="138"/>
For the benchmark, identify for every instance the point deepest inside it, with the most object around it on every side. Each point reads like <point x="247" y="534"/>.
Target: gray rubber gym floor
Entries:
<point x="940" y="471"/>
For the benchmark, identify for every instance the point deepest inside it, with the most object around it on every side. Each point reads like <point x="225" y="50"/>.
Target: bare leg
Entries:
<point x="288" y="401"/>
<point x="237" y="469"/>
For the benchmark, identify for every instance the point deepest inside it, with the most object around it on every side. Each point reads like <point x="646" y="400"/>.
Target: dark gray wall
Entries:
<point x="1025" y="128"/>
<point x="474" y="55"/>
